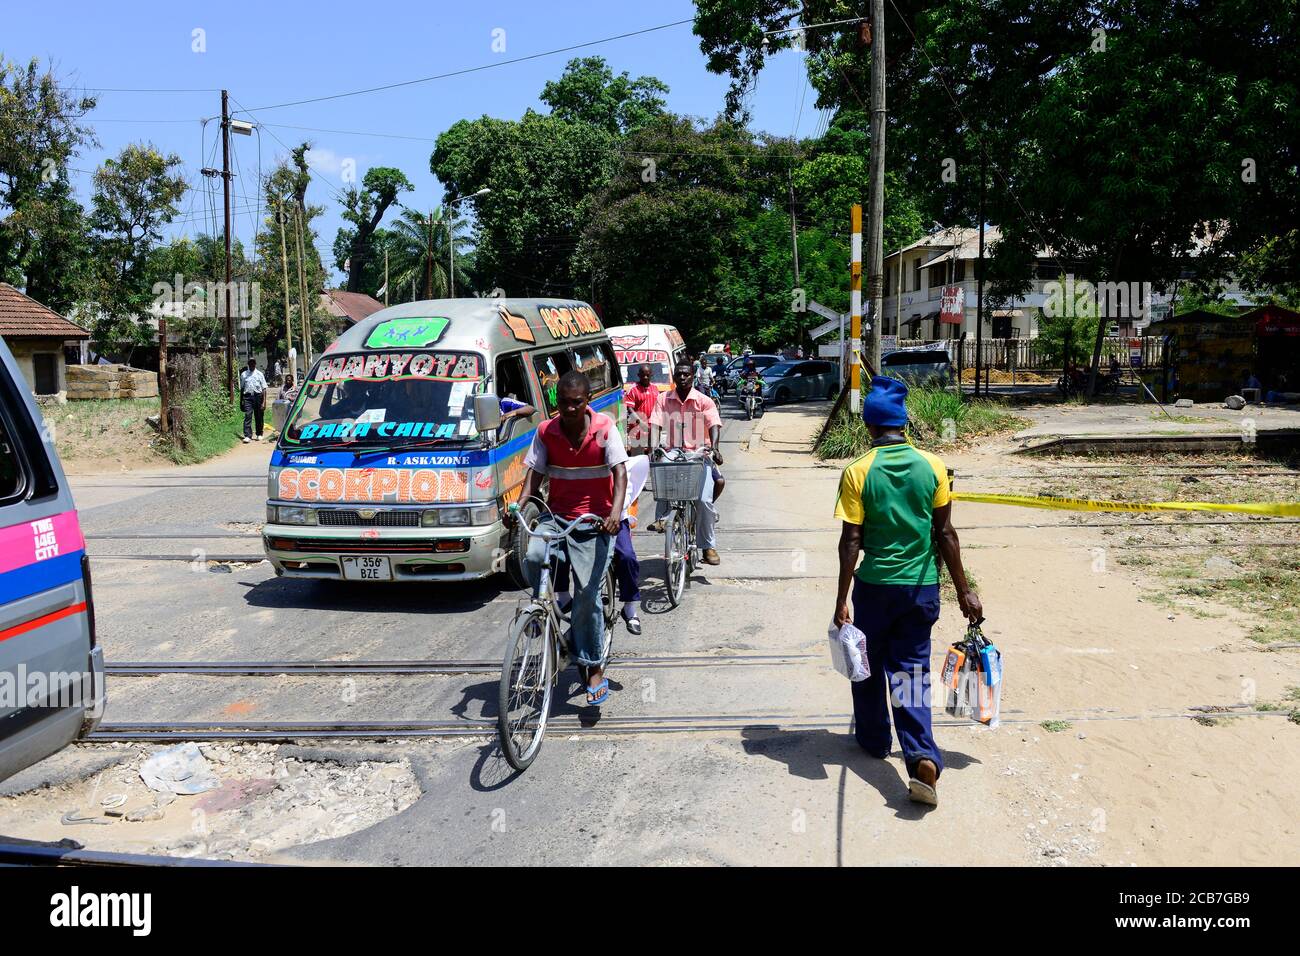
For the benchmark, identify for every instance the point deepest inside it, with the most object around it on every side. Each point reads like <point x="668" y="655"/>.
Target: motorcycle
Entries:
<point x="751" y="399"/>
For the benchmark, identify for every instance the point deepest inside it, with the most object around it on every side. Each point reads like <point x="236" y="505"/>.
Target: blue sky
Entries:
<point x="271" y="52"/>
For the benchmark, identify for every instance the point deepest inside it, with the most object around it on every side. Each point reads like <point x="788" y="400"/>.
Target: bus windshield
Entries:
<point x="387" y="398"/>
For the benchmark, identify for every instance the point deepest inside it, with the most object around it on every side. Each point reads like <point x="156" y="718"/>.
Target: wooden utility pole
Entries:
<point x="385" y="275"/>
<point x="876" y="200"/>
<point x="225" y="188"/>
<point x="302" y="292"/>
<point x="979" y="287"/>
<point x="163" y="392"/>
<point x="283" y="221"/>
<point x="794" y="245"/>
<point x="428" y="262"/>
<point x="855" y="310"/>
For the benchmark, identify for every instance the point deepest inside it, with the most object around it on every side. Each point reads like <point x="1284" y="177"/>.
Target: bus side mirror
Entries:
<point x="487" y="412"/>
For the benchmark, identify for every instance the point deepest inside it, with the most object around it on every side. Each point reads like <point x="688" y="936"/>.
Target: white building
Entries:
<point x="917" y="274"/>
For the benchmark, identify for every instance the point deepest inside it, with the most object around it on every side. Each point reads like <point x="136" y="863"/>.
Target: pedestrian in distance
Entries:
<point x="641" y="400"/>
<point x="252" y="399"/>
<point x="895" y="506"/>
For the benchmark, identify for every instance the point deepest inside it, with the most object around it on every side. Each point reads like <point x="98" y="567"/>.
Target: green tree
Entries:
<point x="364" y="208"/>
<point x="43" y="244"/>
<point x="136" y="194"/>
<point x="540" y="170"/>
<point x="419" y="256"/>
<point x="589" y="92"/>
<point x="288" y="210"/>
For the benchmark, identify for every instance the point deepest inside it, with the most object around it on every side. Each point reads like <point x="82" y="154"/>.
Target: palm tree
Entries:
<point x="418" y="254"/>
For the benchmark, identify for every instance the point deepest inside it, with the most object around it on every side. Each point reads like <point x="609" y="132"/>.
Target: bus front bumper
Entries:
<point x="407" y="554"/>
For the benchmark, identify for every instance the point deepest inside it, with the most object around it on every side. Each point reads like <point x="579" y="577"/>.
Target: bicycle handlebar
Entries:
<point x="589" y="518"/>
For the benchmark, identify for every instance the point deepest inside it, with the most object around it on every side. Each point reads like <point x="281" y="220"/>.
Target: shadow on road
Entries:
<point x="370" y="597"/>
<point x="811" y="754"/>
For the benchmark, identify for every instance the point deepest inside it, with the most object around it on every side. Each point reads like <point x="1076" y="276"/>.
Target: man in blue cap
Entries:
<point x="896" y="507"/>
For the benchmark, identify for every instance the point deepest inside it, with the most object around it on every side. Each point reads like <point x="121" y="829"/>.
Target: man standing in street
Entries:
<point x="252" y="395"/>
<point x="896" y="508"/>
<point x="641" y="400"/>
<point x="689" y="419"/>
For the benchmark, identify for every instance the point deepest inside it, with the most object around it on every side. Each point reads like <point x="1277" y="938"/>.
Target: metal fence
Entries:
<point x="1030" y="355"/>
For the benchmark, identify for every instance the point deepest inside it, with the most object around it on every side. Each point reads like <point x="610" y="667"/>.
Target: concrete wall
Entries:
<point x="23" y="350"/>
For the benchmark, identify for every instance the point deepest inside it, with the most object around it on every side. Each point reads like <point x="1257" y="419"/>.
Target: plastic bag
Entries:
<point x="972" y="677"/>
<point x="849" y="651"/>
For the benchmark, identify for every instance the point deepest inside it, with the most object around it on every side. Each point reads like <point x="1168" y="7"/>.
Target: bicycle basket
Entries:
<point x="677" y="480"/>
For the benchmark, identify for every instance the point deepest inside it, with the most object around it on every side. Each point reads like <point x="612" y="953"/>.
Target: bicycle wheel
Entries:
<point x="675" y="556"/>
<point x="692" y="559"/>
<point x="527" y="681"/>
<point x="609" y="596"/>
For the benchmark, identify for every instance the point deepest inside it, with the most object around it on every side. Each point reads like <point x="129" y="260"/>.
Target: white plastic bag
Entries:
<point x="849" y="651"/>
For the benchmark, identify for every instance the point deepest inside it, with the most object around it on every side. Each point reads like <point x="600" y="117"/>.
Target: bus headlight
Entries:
<point x="454" y="517"/>
<point x="484" y="514"/>
<point x="288" y="515"/>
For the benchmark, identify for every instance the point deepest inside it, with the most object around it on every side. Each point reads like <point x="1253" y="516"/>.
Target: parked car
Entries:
<point x="800" y="380"/>
<point x="737" y="365"/>
<point x="49" y="657"/>
<point x="922" y="365"/>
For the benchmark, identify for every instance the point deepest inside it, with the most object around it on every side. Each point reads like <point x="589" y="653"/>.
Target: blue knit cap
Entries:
<point x="886" y="403"/>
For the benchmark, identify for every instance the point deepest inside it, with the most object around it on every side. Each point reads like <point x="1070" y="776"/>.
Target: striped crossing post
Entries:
<point x="855" y="313"/>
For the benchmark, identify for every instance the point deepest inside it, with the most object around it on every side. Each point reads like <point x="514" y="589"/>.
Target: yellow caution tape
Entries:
<point x="1289" y="508"/>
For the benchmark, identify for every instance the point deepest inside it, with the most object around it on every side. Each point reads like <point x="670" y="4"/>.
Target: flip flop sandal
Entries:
<point x="599" y="694"/>
<point x="919" y="792"/>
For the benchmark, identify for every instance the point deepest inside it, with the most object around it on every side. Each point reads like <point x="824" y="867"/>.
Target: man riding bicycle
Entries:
<point x="582" y="454"/>
<point x="689" y="420"/>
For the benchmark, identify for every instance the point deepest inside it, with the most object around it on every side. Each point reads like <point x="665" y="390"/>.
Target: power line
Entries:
<point x="473" y="69"/>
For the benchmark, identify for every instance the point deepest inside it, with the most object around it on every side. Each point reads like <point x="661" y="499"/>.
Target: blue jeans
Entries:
<point x="897" y="619"/>
<point x="589" y="552"/>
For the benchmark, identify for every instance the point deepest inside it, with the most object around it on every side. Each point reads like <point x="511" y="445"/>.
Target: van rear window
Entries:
<point x="12" y="479"/>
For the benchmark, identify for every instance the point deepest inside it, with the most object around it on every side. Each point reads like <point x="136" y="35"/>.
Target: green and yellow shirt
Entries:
<point x="892" y="492"/>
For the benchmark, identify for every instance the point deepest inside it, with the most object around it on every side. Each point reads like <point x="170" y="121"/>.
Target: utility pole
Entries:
<point x="385" y="275"/>
<point x="283" y="221"/>
<point x="428" y="262"/>
<point x="876" y="201"/>
<point x="794" y="245"/>
<point x="225" y="188"/>
<point x="302" y="292"/>
<point x="451" y="260"/>
<point x="979" y="286"/>
<point x="855" y="310"/>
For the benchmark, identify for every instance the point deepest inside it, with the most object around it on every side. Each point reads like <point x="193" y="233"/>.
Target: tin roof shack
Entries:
<point x="348" y="307"/>
<point x="1277" y="343"/>
<point x="36" y="335"/>
<point x="1211" y="351"/>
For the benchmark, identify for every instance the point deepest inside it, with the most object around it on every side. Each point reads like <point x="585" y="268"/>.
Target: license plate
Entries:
<point x="367" y="567"/>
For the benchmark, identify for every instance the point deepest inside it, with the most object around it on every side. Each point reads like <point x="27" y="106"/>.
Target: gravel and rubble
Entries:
<point x="269" y="798"/>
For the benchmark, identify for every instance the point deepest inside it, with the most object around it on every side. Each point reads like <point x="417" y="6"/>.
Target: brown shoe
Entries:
<point x="921" y="788"/>
<point x="656" y="526"/>
<point x="711" y="556"/>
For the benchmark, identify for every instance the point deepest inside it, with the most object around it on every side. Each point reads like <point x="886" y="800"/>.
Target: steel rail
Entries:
<point x="395" y="668"/>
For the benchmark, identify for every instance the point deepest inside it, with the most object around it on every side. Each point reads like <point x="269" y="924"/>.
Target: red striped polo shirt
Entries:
<point x="581" y="478"/>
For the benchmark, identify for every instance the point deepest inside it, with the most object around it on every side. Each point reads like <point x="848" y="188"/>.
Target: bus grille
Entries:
<point x="352" y="518"/>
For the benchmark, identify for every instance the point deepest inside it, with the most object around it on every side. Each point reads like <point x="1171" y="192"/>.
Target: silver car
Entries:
<point x="799" y="380"/>
<point x="925" y="365"/>
<point x="51" y="668"/>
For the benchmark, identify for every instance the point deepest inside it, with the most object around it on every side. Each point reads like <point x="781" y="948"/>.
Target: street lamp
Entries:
<point x="451" y="243"/>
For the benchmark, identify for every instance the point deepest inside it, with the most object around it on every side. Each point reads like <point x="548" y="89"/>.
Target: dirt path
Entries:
<point x="1132" y="779"/>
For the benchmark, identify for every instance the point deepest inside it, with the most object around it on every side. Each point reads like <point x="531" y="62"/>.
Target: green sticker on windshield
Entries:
<point x="399" y="333"/>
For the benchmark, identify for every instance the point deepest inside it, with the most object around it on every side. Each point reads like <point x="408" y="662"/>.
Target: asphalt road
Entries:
<point x="170" y="586"/>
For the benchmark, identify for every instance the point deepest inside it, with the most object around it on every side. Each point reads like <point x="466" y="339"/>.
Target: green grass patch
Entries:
<point x="1055" y="726"/>
<point x="938" y="418"/>
<point x="213" y="424"/>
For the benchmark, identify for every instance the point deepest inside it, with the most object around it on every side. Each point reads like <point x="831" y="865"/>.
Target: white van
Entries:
<point x="659" y="346"/>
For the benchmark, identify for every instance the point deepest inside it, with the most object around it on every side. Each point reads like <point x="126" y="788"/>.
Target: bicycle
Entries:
<point x="537" y="653"/>
<point x="678" y="478"/>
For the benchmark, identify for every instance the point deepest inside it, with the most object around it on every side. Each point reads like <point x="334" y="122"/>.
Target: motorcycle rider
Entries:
<point x="751" y="380"/>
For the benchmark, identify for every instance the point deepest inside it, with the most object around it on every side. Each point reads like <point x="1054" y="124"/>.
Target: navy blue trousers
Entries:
<point x="627" y="567"/>
<point x="897" y="619"/>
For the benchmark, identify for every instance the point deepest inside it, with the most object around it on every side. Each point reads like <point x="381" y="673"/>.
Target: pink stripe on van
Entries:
<point x="32" y="541"/>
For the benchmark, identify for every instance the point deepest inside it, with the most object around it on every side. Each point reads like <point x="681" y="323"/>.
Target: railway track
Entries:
<point x="560" y="725"/>
<point x="430" y="667"/>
